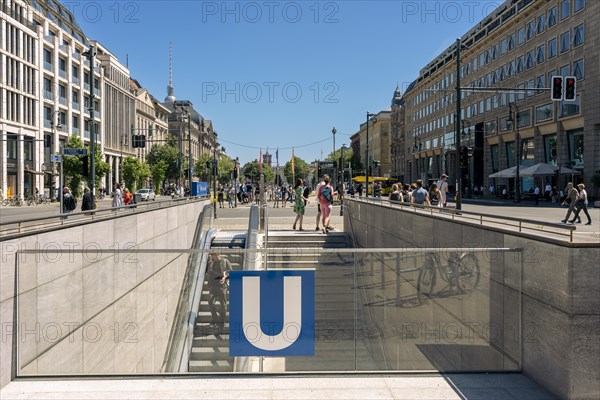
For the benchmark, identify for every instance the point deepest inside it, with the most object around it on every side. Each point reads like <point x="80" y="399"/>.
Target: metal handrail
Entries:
<point x="64" y="219"/>
<point x="480" y="217"/>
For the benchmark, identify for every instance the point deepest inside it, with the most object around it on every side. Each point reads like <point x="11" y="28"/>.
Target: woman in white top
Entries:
<point x="582" y="202"/>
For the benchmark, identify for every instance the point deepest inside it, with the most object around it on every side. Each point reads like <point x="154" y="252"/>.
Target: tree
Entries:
<point x="170" y="156"/>
<point x="348" y="155"/>
<point x="301" y="170"/>
<point x="250" y="170"/>
<point x="200" y="170"/>
<point x="158" y="171"/>
<point x="135" y="172"/>
<point x="73" y="166"/>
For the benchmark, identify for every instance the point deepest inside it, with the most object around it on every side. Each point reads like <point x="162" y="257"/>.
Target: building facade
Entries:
<point x="507" y="62"/>
<point x="379" y="145"/>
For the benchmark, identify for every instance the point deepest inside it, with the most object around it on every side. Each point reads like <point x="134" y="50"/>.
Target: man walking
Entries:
<point x="571" y="198"/>
<point x="536" y="194"/>
<point x="442" y="185"/>
<point x="318" y="204"/>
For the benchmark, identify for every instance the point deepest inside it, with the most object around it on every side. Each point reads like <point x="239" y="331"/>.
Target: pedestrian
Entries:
<point x="571" y="199"/>
<point x="86" y="202"/>
<point x="284" y="191"/>
<point x="217" y="275"/>
<point x="377" y="189"/>
<point x="442" y="186"/>
<point x="359" y="189"/>
<point x="69" y="201"/>
<point x="536" y="194"/>
<point x="220" y="195"/>
<point x="435" y="196"/>
<point x="396" y="194"/>
<point x="548" y="191"/>
<point x="117" y="196"/>
<point x="322" y="183"/>
<point x="299" y="204"/>
<point x="276" y="196"/>
<point x="491" y="190"/>
<point x="420" y="195"/>
<point x="581" y="204"/>
<point x="127" y="197"/>
<point x="325" y="196"/>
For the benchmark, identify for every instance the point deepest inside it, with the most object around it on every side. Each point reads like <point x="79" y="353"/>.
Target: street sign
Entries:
<point x="326" y="164"/>
<point x="55" y="158"/>
<point x="74" y="152"/>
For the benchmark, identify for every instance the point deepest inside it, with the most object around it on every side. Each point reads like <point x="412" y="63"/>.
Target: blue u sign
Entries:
<point x="272" y="313"/>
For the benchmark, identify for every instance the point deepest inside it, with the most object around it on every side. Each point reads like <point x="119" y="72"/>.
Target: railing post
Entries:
<point x="383" y="271"/>
<point x="397" y="279"/>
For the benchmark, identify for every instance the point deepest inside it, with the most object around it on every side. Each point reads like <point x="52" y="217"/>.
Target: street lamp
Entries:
<point x="467" y="138"/>
<point x="334" y="158"/>
<point x="215" y="166"/>
<point x="90" y="53"/>
<point x="369" y="115"/>
<point x="515" y="127"/>
<point x="235" y="176"/>
<point x="55" y="124"/>
<point x="342" y="185"/>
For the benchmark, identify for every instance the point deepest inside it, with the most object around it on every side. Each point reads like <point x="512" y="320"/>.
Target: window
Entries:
<point x="541" y="23"/>
<point x="481" y="59"/>
<point x="520" y="92"/>
<point x="488" y="56"/>
<point x="531" y="86"/>
<point x="565" y="70"/>
<point x="544" y="113"/>
<point x="550" y="75"/>
<point x="495" y="51"/>
<point x="494" y="153"/>
<point x="502" y="99"/>
<point x="490" y="128"/>
<point x="565" y="9"/>
<point x="540" y="83"/>
<point x="503" y="73"/>
<point x="575" y="140"/>
<point x="524" y="119"/>
<point x="530" y="29"/>
<point x="511" y="42"/>
<point x="550" y="148"/>
<point x="511" y="68"/>
<point x="520" y="36"/>
<point x="520" y="64"/>
<point x="530" y="59"/>
<point x="552" y="48"/>
<point x="565" y="42"/>
<point x="578" y="35"/>
<point x="503" y="46"/>
<point x="552" y="17"/>
<point x="578" y="69"/>
<point x="579" y="4"/>
<point x="541" y="54"/>
<point x="568" y="108"/>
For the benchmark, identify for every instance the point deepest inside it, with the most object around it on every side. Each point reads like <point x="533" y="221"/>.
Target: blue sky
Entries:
<point x="279" y="73"/>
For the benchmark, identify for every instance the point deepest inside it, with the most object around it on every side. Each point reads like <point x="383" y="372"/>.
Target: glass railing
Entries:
<point x="117" y="312"/>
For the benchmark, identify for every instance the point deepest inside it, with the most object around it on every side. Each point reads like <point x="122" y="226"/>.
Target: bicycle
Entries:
<point x="461" y="272"/>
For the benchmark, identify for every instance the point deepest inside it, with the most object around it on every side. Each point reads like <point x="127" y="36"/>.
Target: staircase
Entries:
<point x="210" y="346"/>
<point x="335" y="299"/>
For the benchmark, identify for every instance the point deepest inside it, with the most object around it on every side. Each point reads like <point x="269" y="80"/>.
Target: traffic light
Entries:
<point x="134" y="141"/>
<point x="570" y="88"/>
<point x="556" y="88"/>
<point x="142" y="141"/>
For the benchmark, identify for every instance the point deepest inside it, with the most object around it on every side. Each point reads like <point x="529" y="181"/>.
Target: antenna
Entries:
<point x="170" y="64"/>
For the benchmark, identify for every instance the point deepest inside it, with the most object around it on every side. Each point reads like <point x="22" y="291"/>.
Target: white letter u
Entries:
<point x="292" y="312"/>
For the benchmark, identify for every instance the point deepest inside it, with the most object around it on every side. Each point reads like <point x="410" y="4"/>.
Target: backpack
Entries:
<point x="419" y="195"/>
<point x="433" y="199"/>
<point x="326" y="193"/>
<point x="395" y="196"/>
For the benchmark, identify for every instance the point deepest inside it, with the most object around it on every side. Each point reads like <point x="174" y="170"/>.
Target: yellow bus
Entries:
<point x="386" y="183"/>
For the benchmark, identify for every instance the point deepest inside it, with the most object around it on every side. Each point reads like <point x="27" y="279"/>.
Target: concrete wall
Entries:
<point x="106" y="310"/>
<point x="559" y="289"/>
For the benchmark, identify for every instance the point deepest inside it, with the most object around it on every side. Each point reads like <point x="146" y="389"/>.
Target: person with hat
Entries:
<point x="442" y="186"/>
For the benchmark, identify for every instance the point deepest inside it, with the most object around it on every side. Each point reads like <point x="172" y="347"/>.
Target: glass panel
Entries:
<point x="544" y="113"/>
<point x="127" y="311"/>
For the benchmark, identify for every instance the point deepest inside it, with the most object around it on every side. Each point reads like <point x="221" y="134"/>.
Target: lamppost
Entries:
<point x="190" y="161"/>
<point x="90" y="53"/>
<point x="515" y="127"/>
<point x="235" y="177"/>
<point x="342" y="181"/>
<point x="334" y="158"/>
<point x="369" y="115"/>
<point x="215" y="165"/>
<point x="55" y="124"/>
<point x="467" y="138"/>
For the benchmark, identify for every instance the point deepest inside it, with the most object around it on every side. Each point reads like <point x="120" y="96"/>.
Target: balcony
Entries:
<point x="75" y="80"/>
<point x="97" y="92"/>
<point x="48" y="66"/>
<point x="86" y="86"/>
<point x="97" y="114"/>
<point x="62" y="74"/>
<point x="63" y="47"/>
<point x="75" y="106"/>
<point x="76" y="131"/>
<point x="49" y="38"/>
<point x="76" y="56"/>
<point x="47" y="124"/>
<point x="62" y="100"/>
<point x="48" y="95"/>
<point x="86" y="134"/>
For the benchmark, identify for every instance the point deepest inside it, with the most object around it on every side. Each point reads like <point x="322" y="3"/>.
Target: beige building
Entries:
<point x="520" y="45"/>
<point x="379" y="145"/>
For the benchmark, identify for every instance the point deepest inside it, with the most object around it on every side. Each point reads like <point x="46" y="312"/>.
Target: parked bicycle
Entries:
<point x="461" y="273"/>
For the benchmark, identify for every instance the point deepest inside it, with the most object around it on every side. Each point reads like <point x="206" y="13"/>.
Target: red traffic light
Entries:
<point x="570" y="88"/>
<point x="557" y="88"/>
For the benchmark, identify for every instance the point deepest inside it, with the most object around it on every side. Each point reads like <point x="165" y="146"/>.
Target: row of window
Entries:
<point x="20" y="109"/>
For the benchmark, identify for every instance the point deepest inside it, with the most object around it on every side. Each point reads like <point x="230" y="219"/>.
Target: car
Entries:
<point x="147" y="194"/>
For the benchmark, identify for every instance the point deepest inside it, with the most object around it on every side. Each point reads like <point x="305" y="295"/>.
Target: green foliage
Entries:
<point x="73" y="166"/>
<point x="158" y="171"/>
<point x="200" y="170"/>
<point x="101" y="167"/>
<point x="348" y="155"/>
<point x="250" y="171"/>
<point x="301" y="170"/>
<point x="135" y="172"/>
<point x="169" y="155"/>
